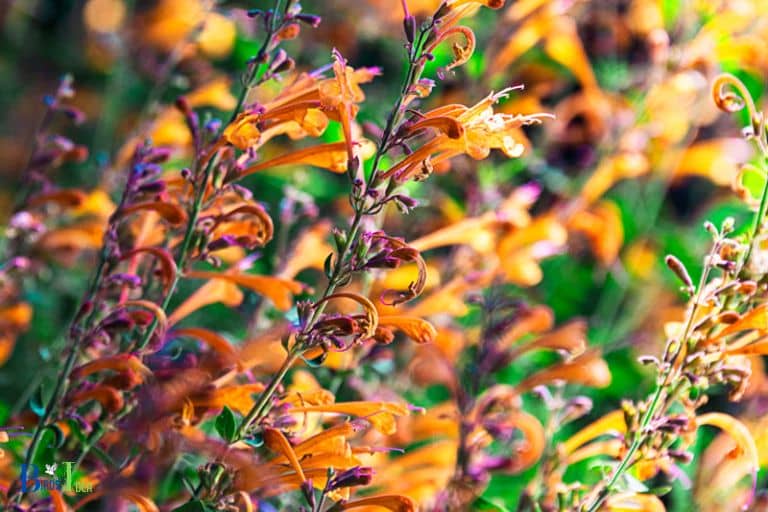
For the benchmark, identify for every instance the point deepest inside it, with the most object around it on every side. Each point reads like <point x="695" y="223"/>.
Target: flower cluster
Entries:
<point x="309" y="290"/>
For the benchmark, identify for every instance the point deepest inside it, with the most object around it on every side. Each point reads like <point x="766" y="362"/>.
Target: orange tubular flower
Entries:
<point x="277" y="442"/>
<point x="278" y="290"/>
<point x="117" y="363"/>
<point x="603" y="229"/>
<point x="477" y="130"/>
<point x="745" y="443"/>
<point x="611" y="423"/>
<point x="571" y="339"/>
<point x="333" y="156"/>
<point x="520" y="250"/>
<point x="296" y="464"/>
<point x="238" y="398"/>
<point x="303" y="108"/>
<point x="380" y="414"/>
<point x="244" y="220"/>
<point x="212" y="292"/>
<point x="215" y="341"/>
<point x="110" y="398"/>
<point x="415" y="328"/>
<point x="395" y="503"/>
<point x="14" y="320"/>
<point x="589" y="369"/>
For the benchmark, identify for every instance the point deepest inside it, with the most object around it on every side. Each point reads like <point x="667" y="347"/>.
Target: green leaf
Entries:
<point x="328" y="266"/>
<point x="662" y="490"/>
<point x="58" y="436"/>
<point x="483" y="503"/>
<point x="226" y="424"/>
<point x="37" y="402"/>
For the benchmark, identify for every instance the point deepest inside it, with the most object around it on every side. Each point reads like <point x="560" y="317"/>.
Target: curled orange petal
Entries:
<point x="419" y="330"/>
<point x="244" y="498"/>
<point x="730" y="101"/>
<point x="278" y="290"/>
<point x="371" y="313"/>
<point x="214" y="340"/>
<point x="167" y="264"/>
<point x="243" y="132"/>
<point x="404" y="252"/>
<point x="117" y="363"/>
<point x="155" y="309"/>
<point x="172" y="213"/>
<point x="256" y="224"/>
<point x="531" y="450"/>
<point x="67" y="198"/>
<point x="461" y="54"/>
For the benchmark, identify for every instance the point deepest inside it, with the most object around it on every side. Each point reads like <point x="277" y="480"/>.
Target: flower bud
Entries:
<point x="312" y="20"/>
<point x="352" y="477"/>
<point x="676" y="266"/>
<point x="409" y="26"/>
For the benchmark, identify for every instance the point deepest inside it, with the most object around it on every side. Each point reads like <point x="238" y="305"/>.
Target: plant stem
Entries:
<point x="259" y="409"/>
<point x="627" y="461"/>
<point x="758" y="221"/>
<point x="663" y="384"/>
<point x="183" y="251"/>
<point x="194" y="212"/>
<point x="63" y="377"/>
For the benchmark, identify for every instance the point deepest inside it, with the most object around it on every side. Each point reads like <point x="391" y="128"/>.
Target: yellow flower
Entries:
<point x="217" y="37"/>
